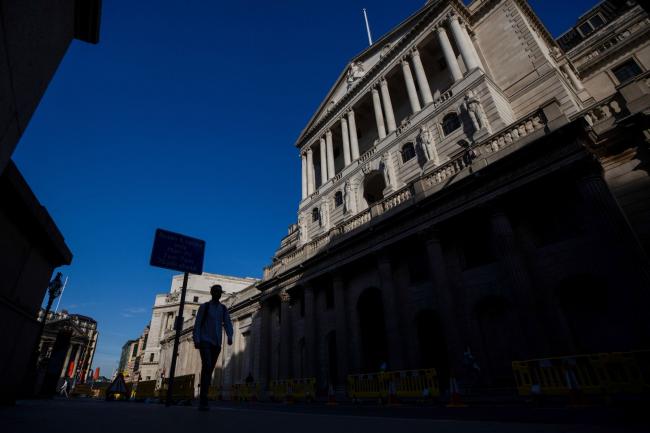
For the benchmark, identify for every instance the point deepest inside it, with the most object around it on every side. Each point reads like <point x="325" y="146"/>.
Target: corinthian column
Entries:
<point x="464" y="43"/>
<point x="448" y="51"/>
<point x="341" y="329"/>
<point x="346" y="141"/>
<point x="330" y="154"/>
<point x="410" y="86"/>
<point x="379" y="116"/>
<point x="303" y="161"/>
<point x="354" y="140"/>
<point x="423" y="83"/>
<point x="323" y="162"/>
<point x="285" y="335"/>
<point x="388" y="106"/>
<point x="310" y="172"/>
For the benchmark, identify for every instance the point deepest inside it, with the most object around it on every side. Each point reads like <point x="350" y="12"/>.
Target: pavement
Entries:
<point x="93" y="416"/>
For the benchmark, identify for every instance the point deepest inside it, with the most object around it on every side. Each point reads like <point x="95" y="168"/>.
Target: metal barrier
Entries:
<point x="81" y="390"/>
<point x="296" y="389"/>
<point x="235" y="392"/>
<point x="183" y="388"/>
<point x="146" y="389"/>
<point x="99" y="390"/>
<point x="406" y="384"/>
<point x="595" y="374"/>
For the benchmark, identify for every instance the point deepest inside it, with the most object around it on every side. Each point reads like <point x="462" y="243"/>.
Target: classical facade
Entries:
<point x="132" y="356"/>
<point x="67" y="349"/>
<point x="165" y="311"/>
<point x="469" y="182"/>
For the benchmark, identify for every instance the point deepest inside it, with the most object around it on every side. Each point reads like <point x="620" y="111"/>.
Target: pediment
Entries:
<point x="359" y="66"/>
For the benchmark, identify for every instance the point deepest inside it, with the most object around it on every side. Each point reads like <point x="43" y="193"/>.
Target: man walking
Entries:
<point x="211" y="318"/>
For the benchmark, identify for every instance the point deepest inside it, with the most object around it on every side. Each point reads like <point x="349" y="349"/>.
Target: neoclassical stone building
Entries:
<point x="160" y="335"/>
<point x="469" y="182"/>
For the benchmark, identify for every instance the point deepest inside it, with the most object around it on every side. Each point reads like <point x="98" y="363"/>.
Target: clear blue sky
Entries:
<point x="184" y="117"/>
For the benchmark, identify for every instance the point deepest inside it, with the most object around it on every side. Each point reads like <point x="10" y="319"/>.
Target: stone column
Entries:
<point x="452" y="321"/>
<point x="323" y="162"/>
<point x="311" y="363"/>
<point x="285" y="335"/>
<point x="345" y="135"/>
<point x="448" y="51"/>
<point x="410" y="86"/>
<point x="389" y="299"/>
<point x="514" y="267"/>
<point x="464" y="44"/>
<point x="379" y="116"/>
<point x="341" y="329"/>
<point x="577" y="84"/>
<point x="423" y="83"/>
<point x="388" y="106"/>
<point x="330" y="155"/>
<point x="264" y="347"/>
<point x="303" y="160"/>
<point x="354" y="139"/>
<point x="310" y="172"/>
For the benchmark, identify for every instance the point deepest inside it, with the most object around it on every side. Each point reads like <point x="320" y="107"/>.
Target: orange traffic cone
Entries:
<point x="454" y="391"/>
<point x="331" y="396"/>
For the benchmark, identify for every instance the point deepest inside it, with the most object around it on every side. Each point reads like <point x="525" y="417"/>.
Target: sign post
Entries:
<point x="179" y="253"/>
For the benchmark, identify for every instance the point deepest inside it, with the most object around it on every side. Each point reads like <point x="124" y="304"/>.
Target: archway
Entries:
<point x="584" y="304"/>
<point x="373" y="187"/>
<point x="374" y="345"/>
<point x="432" y="344"/>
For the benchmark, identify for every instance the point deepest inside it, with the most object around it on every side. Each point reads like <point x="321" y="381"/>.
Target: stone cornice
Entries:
<point x="394" y="55"/>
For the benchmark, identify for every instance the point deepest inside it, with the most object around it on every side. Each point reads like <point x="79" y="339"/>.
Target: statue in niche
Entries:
<point x="302" y="229"/>
<point x="348" y="198"/>
<point x="426" y="141"/>
<point x="386" y="167"/>
<point x="475" y="111"/>
<point x="355" y="72"/>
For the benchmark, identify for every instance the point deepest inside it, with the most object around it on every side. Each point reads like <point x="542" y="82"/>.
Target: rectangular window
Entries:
<point x="193" y="313"/>
<point x="196" y="299"/>
<point x="597" y="21"/>
<point x="586" y="28"/>
<point x="626" y="71"/>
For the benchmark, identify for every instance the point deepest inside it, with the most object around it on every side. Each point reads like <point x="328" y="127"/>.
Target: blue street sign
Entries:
<point x="177" y="252"/>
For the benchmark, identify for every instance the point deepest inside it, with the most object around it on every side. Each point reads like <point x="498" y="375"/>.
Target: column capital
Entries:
<point x="375" y="86"/>
<point x="414" y="52"/>
<point x="382" y="81"/>
<point x="328" y="132"/>
<point x="285" y="298"/>
<point x="350" y="112"/>
<point x="309" y="150"/>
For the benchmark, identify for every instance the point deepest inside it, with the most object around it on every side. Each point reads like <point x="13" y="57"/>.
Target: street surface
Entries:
<point x="91" y="416"/>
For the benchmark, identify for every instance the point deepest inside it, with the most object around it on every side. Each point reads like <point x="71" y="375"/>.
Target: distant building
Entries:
<point x="165" y="310"/>
<point x="35" y="36"/>
<point x="67" y="349"/>
<point x="126" y="354"/>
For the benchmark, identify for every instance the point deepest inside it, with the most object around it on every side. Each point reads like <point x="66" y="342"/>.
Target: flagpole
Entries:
<point x="365" y="17"/>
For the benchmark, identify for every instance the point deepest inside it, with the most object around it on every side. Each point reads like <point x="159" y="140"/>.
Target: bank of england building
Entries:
<point x="469" y="184"/>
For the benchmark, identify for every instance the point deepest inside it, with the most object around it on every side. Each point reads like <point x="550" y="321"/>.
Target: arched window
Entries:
<point x="338" y="199"/>
<point x="315" y="214"/>
<point x="450" y="123"/>
<point x="408" y="152"/>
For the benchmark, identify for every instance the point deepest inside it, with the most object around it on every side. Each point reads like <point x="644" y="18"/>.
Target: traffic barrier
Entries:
<point x="624" y="373"/>
<point x="146" y="389"/>
<point x="99" y="390"/>
<point x="81" y="390"/>
<point x="183" y="388"/>
<point x="406" y="384"/>
<point x="292" y="389"/>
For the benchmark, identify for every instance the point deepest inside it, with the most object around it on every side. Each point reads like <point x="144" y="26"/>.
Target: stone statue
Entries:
<point x="475" y="111"/>
<point x="427" y="144"/>
<point x="355" y="72"/>
<point x="385" y="50"/>
<point x="302" y="229"/>
<point x="386" y="166"/>
<point x="348" y="198"/>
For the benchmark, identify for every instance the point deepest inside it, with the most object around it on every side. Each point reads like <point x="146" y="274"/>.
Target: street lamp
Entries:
<point x="54" y="289"/>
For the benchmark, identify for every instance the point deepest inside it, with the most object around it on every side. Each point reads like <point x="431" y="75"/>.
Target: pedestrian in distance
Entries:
<point x="64" y="388"/>
<point x="211" y="319"/>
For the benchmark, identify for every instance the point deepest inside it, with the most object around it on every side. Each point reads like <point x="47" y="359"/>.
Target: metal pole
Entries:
<point x="365" y="16"/>
<point x="178" y="325"/>
<point x="65" y="283"/>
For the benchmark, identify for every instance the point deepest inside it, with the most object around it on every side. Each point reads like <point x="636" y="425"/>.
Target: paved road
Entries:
<point x="88" y="416"/>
